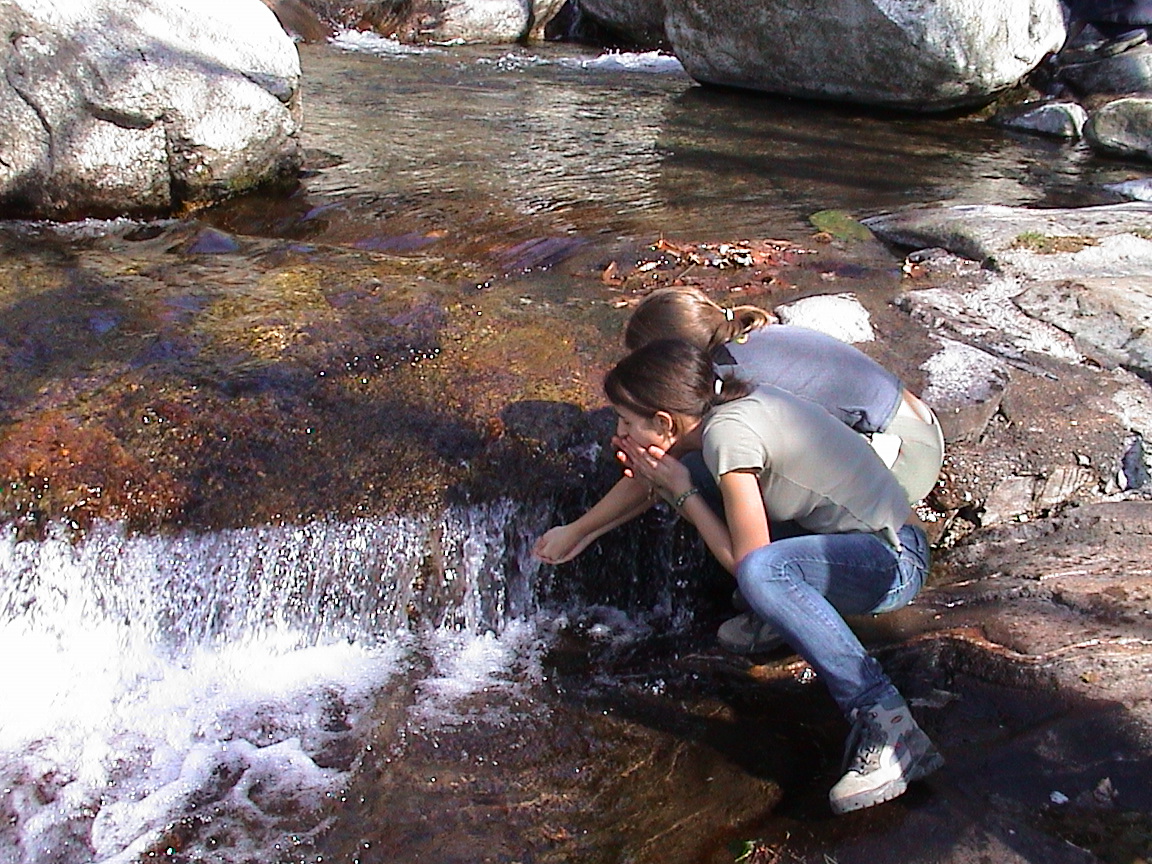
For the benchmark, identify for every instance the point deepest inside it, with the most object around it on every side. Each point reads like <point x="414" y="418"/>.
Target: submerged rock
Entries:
<point x="1061" y="119"/>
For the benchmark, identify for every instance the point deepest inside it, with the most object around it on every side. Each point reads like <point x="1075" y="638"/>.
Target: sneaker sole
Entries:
<point x="925" y="765"/>
<point x="744" y="648"/>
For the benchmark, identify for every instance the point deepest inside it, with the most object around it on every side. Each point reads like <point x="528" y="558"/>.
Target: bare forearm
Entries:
<point x="713" y="530"/>
<point x="626" y="500"/>
<point x="745" y="526"/>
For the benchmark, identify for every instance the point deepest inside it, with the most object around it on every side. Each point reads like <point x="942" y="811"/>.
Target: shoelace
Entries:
<point x="864" y="744"/>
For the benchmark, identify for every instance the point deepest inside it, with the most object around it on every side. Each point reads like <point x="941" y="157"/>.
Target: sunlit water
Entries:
<point x="215" y="696"/>
<point x="628" y="143"/>
<point x="220" y="677"/>
<point x="211" y="697"/>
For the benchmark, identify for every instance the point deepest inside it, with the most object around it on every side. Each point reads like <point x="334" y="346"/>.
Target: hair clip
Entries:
<point x="718" y="386"/>
<point x="728" y="316"/>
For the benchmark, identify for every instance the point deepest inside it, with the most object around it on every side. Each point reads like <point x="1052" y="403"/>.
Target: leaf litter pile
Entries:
<point x="748" y="267"/>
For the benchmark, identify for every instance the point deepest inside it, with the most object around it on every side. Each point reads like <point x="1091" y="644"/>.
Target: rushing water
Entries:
<point x="351" y="688"/>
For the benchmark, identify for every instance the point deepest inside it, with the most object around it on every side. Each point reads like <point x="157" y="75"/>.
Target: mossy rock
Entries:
<point x="840" y="225"/>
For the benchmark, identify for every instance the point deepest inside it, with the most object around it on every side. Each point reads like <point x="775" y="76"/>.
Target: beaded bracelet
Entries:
<point x="684" y="496"/>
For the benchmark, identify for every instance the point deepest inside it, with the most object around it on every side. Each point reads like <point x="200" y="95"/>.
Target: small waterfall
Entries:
<point x="327" y="581"/>
<point x="207" y="694"/>
<point x="205" y="688"/>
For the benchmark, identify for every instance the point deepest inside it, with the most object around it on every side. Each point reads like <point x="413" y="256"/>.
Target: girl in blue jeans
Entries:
<point x="744" y="341"/>
<point x="778" y="459"/>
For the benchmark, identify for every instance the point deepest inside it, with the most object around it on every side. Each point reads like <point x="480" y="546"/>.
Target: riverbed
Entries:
<point x="310" y="629"/>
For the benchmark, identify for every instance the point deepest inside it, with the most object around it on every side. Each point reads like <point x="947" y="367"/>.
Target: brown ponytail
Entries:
<point x="673" y="376"/>
<point x="688" y="314"/>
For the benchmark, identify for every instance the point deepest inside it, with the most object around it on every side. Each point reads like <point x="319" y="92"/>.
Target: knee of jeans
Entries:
<point x="914" y="543"/>
<point x="902" y="593"/>
<point x="759" y="566"/>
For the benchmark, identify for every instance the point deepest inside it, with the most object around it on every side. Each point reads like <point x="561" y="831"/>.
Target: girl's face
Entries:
<point x="644" y="431"/>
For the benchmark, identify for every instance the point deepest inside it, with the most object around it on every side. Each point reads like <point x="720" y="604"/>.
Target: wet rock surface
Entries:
<point x="151" y="388"/>
<point x="1026" y="658"/>
<point x="187" y="374"/>
<point x="376" y="383"/>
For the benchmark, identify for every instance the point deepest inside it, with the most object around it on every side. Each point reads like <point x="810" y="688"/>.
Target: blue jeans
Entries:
<point x="802" y="586"/>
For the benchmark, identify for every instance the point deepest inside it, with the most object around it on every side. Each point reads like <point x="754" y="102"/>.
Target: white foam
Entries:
<point x="628" y="61"/>
<point x="227" y="674"/>
<point x="513" y="62"/>
<point x="366" y="42"/>
<point x="131" y="738"/>
<point x="467" y="664"/>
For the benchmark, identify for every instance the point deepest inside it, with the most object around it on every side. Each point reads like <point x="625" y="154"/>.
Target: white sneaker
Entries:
<point x="747" y="634"/>
<point x="891" y="751"/>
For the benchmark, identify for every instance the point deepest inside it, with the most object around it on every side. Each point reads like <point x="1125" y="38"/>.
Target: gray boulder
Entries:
<point x="1139" y="189"/>
<point x="1122" y="127"/>
<point x="116" y="106"/>
<point x="495" y="21"/>
<point x="899" y="53"/>
<point x="1127" y="72"/>
<point x="1060" y="119"/>
<point x="965" y="386"/>
<point x="1001" y="235"/>
<point x="1082" y="272"/>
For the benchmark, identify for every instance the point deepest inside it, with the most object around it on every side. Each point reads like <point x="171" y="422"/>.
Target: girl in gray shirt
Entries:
<point x="844" y="381"/>
<point x="839" y="377"/>
<point x="774" y="456"/>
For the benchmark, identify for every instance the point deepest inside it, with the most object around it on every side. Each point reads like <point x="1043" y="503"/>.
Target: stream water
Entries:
<point x="348" y="685"/>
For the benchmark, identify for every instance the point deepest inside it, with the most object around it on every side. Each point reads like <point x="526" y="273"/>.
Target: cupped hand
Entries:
<point x="665" y="472"/>
<point x="559" y="544"/>
<point x="622" y="457"/>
